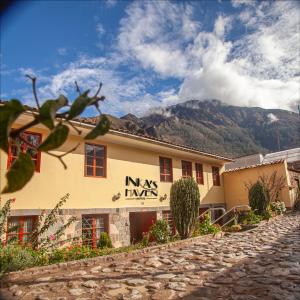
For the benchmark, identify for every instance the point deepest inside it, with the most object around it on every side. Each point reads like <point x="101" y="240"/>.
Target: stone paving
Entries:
<point x="259" y="264"/>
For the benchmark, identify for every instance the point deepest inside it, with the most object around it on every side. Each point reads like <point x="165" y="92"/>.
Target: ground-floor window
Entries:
<point x="167" y="215"/>
<point x="20" y="228"/>
<point x="92" y="226"/>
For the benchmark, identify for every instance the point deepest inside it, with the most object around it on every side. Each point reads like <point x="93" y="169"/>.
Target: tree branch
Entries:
<point x="76" y="129"/>
<point x="99" y="89"/>
<point x="77" y="88"/>
<point x="62" y="155"/>
<point x="29" y="144"/>
<point x="33" y="79"/>
<point x="16" y="132"/>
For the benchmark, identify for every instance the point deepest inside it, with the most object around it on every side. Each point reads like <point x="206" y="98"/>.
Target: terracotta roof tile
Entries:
<point x="93" y="121"/>
<point x="278" y="161"/>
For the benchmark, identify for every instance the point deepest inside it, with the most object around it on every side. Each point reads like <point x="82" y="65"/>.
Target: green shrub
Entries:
<point x="296" y="206"/>
<point x="145" y="240"/>
<point x="233" y="228"/>
<point x="4" y="214"/>
<point x="205" y="227"/>
<point x="72" y="252"/>
<point x="196" y="231"/>
<point x="104" y="241"/>
<point x="259" y="197"/>
<point x="267" y="215"/>
<point x="15" y="257"/>
<point x="39" y="239"/>
<point x="174" y="238"/>
<point x="278" y="207"/>
<point x="184" y="203"/>
<point x="160" y="231"/>
<point x="250" y="218"/>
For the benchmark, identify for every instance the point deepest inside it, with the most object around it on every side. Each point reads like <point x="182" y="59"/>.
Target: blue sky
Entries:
<point x="151" y="54"/>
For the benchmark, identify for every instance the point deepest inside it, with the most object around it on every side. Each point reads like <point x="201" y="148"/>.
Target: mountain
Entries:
<point x="215" y="127"/>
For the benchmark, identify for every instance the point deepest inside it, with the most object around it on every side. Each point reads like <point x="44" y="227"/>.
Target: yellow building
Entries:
<point x="118" y="183"/>
<point x="236" y="181"/>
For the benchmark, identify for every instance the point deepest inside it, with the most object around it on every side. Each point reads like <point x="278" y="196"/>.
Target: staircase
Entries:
<point x="227" y="217"/>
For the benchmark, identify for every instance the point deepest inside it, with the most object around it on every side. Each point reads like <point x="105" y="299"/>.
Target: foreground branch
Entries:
<point x="62" y="155"/>
<point x="33" y="79"/>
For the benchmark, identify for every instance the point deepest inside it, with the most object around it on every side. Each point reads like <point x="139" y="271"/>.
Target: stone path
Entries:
<point x="259" y="264"/>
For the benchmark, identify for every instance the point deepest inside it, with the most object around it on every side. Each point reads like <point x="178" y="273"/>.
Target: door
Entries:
<point x="140" y="223"/>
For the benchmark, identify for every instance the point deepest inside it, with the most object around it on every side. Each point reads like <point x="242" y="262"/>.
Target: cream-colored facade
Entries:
<point x="126" y="155"/>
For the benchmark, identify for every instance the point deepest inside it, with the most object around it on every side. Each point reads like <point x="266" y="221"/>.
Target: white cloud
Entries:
<point x="62" y="51"/>
<point x="260" y="68"/>
<point x="221" y="24"/>
<point x="153" y="34"/>
<point x="238" y="3"/>
<point x="122" y="95"/>
<point x="272" y="118"/>
<point x="111" y="3"/>
<point x="100" y="29"/>
<point x="27" y="71"/>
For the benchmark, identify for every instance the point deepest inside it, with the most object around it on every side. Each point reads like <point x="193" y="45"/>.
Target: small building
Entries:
<point x="236" y="182"/>
<point x="244" y="161"/>
<point x="292" y="157"/>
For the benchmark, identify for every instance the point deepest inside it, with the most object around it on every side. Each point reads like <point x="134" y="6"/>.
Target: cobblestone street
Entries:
<point x="260" y="264"/>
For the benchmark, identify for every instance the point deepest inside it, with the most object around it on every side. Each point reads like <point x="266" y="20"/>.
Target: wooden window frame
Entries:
<point x="188" y="163"/>
<point x="199" y="179"/>
<point x="165" y="174"/>
<point x="20" y="234"/>
<point x="10" y="157"/>
<point x="217" y="179"/>
<point x="94" y="228"/>
<point x="94" y="158"/>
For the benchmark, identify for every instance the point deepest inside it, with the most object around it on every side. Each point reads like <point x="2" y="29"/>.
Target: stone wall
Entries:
<point x="119" y="228"/>
<point x="73" y="231"/>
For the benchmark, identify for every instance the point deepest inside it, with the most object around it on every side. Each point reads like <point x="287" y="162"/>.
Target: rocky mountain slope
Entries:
<point x="219" y="128"/>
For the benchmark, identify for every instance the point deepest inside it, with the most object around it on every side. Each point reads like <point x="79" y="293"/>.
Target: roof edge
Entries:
<point x="274" y="162"/>
<point x="145" y="138"/>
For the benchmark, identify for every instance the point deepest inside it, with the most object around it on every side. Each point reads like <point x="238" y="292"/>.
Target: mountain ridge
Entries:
<point x="213" y="126"/>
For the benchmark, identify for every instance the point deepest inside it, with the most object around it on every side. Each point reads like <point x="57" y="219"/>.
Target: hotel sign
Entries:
<point x="140" y="189"/>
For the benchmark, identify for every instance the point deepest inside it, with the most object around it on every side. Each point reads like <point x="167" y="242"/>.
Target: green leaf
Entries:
<point x="9" y="112"/>
<point x="20" y="173"/>
<point x="79" y="105"/>
<point x="101" y="128"/>
<point x="55" y="139"/>
<point x="48" y="110"/>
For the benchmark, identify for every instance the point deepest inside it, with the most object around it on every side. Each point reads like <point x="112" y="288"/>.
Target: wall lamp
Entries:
<point x="116" y="197"/>
<point x="163" y="198"/>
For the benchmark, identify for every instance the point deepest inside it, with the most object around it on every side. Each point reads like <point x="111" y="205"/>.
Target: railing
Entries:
<point x="213" y="209"/>
<point x="234" y="210"/>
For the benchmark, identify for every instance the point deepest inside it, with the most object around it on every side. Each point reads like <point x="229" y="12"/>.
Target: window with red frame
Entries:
<point x="92" y="227"/>
<point x="166" y="171"/>
<point x="216" y="175"/>
<point x="187" y="170"/>
<point x="167" y="216"/>
<point x="20" y="228"/>
<point x="95" y="160"/>
<point x="199" y="173"/>
<point x="33" y="141"/>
